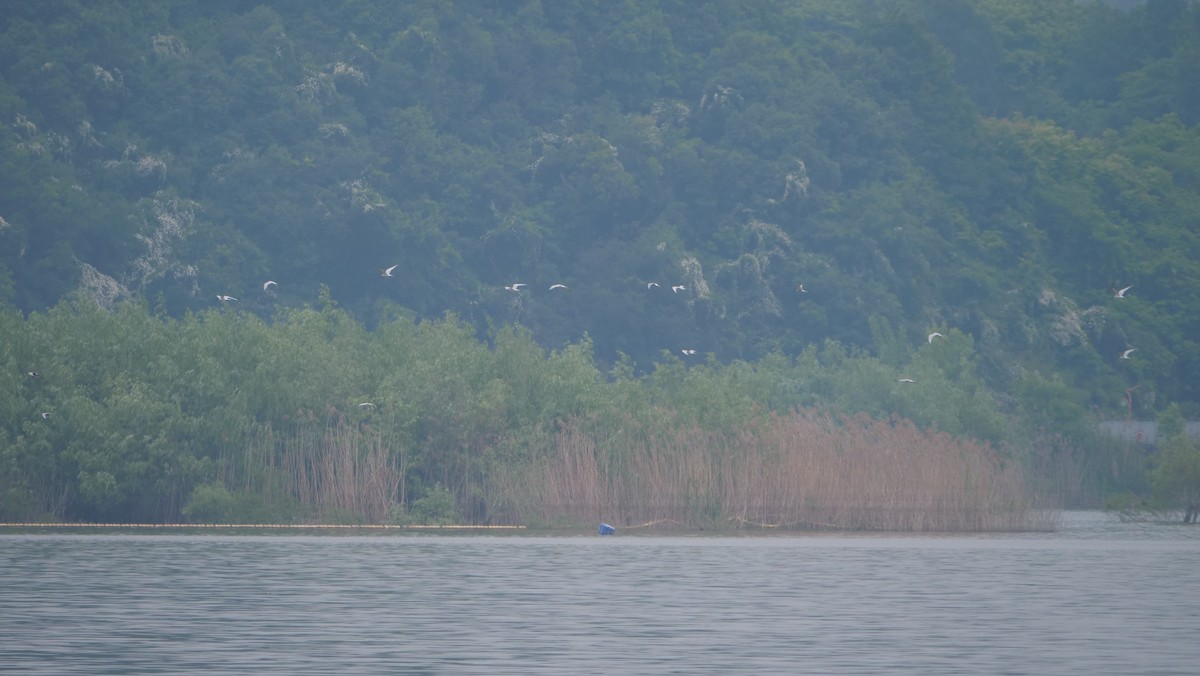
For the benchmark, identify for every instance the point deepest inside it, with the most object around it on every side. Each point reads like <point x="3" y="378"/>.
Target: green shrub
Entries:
<point x="211" y="503"/>
<point x="434" y="508"/>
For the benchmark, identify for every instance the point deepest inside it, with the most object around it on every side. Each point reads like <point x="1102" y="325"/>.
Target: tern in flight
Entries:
<point x="1125" y="354"/>
<point x="514" y="287"/>
<point x="268" y="284"/>
<point x="651" y="285"/>
<point x="387" y="272"/>
<point x="366" y="404"/>
<point x="933" y="335"/>
<point x="800" y="288"/>
<point x="33" y="374"/>
<point x="224" y="298"/>
<point x="1120" y="293"/>
<point x="558" y="286"/>
<point x="905" y="380"/>
<point x="678" y="287"/>
<point x="688" y="352"/>
<point x="45" y="415"/>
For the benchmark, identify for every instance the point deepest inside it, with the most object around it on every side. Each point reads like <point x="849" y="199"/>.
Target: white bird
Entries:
<point x="225" y="299"/>
<point x="366" y="404"/>
<point x="1120" y="293"/>
<point x="387" y="272"/>
<point x="514" y="287"/>
<point x="688" y="352"/>
<point x="45" y="415"/>
<point x="800" y="288"/>
<point x="933" y="335"/>
<point x="33" y="374"/>
<point x="651" y="285"/>
<point x="558" y="286"/>
<point x="268" y="284"/>
<point x="905" y="380"/>
<point x="1125" y="354"/>
<point x="678" y="287"/>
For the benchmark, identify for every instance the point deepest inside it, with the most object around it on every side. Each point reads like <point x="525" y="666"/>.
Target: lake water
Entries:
<point x="1096" y="597"/>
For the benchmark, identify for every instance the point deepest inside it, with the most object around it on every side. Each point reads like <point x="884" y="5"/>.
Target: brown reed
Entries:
<point x="341" y="473"/>
<point x="805" y="470"/>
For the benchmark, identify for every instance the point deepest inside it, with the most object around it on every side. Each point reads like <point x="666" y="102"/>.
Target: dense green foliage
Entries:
<point x="1174" y="478"/>
<point x="1176" y="475"/>
<point x="989" y="169"/>
<point x="152" y="417"/>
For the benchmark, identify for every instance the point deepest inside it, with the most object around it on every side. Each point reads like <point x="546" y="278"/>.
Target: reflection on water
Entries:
<point x="1098" y="596"/>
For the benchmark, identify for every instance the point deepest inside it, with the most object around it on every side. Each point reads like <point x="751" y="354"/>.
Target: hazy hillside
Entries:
<point x="816" y="177"/>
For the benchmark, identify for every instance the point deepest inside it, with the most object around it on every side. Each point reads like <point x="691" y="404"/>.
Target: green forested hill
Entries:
<point x="829" y="181"/>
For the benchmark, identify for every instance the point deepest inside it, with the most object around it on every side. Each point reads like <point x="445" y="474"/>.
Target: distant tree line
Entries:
<point x="221" y="416"/>
<point x="827" y="183"/>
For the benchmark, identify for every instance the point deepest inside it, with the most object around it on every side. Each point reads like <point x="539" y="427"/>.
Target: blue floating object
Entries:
<point x="606" y="529"/>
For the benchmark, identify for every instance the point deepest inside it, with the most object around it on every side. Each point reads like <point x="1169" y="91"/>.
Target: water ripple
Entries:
<point x="1096" y="597"/>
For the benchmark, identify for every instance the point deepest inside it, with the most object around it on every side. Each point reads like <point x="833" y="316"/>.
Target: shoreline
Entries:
<point x="263" y="526"/>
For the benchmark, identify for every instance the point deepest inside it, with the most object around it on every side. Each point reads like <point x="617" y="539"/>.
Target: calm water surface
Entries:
<point x="1096" y="597"/>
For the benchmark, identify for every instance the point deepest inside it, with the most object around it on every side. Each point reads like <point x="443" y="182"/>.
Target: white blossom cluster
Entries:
<point x="796" y="182"/>
<point x="331" y="129"/>
<point x="86" y="134"/>
<point x="748" y="273"/>
<point x="768" y="239"/>
<point x="168" y="46"/>
<point x="693" y="277"/>
<point x="59" y="145"/>
<point x="750" y="286"/>
<point x="663" y="115"/>
<point x="428" y="39"/>
<point x="321" y="85"/>
<point x="318" y="86"/>
<point x="989" y="333"/>
<point x="172" y="219"/>
<point x="25" y="126"/>
<point x="554" y="141"/>
<point x="546" y="138"/>
<point x="143" y="164"/>
<point x="362" y="195"/>
<point x="1068" y="324"/>
<point x="344" y="71"/>
<point x="670" y="113"/>
<point x="105" y="291"/>
<point x="612" y="150"/>
<point x="719" y="96"/>
<point x="148" y="164"/>
<point x="109" y="78"/>
<point x="237" y="154"/>
<point x="34" y="148"/>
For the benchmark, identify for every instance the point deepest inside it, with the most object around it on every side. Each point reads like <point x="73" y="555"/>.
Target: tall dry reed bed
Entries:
<point x="806" y="470"/>
<point x="339" y="473"/>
